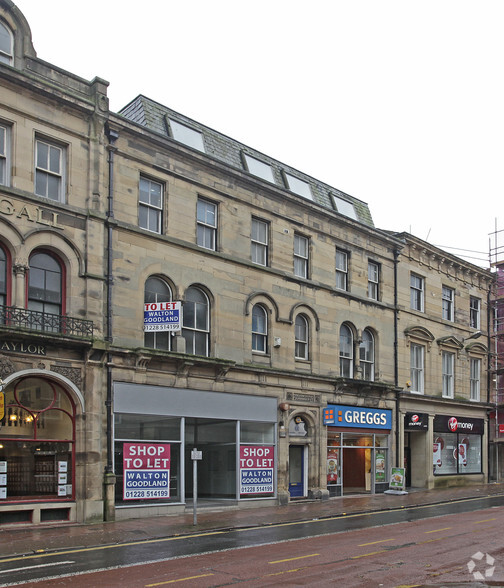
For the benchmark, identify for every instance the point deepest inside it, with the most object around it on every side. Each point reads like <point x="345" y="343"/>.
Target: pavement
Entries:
<point x="42" y="538"/>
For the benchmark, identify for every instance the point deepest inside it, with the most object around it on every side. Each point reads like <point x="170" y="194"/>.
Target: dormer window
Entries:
<point x="299" y="187"/>
<point x="259" y="168"/>
<point x="344" y="207"/>
<point x="186" y="135"/>
<point x="6" y="44"/>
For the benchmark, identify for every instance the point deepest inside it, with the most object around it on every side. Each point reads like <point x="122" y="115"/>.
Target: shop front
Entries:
<point x="358" y="449"/>
<point x="159" y="431"/>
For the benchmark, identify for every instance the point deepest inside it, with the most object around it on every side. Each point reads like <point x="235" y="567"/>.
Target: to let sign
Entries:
<point x="146" y="471"/>
<point x="256" y="469"/>
<point x="162" y="316"/>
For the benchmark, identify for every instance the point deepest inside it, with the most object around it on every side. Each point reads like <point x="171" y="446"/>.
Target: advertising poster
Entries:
<point x="380" y="467"/>
<point x="332" y="466"/>
<point x="146" y="471"/>
<point x="436" y="454"/>
<point x="397" y="479"/>
<point x="256" y="469"/>
<point x="162" y="316"/>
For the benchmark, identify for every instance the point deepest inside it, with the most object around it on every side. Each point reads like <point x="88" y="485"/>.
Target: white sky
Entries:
<point x="397" y="102"/>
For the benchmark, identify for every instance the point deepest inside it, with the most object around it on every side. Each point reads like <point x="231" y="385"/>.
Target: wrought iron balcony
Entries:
<point x="34" y="320"/>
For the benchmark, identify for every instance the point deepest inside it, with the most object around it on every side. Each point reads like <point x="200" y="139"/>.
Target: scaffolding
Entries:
<point x="496" y="357"/>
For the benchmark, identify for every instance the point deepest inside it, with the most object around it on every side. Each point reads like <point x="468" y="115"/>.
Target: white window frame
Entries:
<point x="301" y="253"/>
<point x="367" y="355"/>
<point x="206" y="224"/>
<point x="448" y="303"/>
<point x="259" y="331"/>
<point x="474" y="312"/>
<point x="259" y="243"/>
<point x="342" y="269"/>
<point x="199" y="329"/>
<point x="7" y="56"/>
<point x="149" y="205"/>
<point x="346" y="352"/>
<point x="373" y="280"/>
<point x="417" y="292"/>
<point x="417" y="368"/>
<point x="448" y="371"/>
<point x="47" y="172"/>
<point x="301" y="338"/>
<point x="5" y="154"/>
<point x="475" y="379"/>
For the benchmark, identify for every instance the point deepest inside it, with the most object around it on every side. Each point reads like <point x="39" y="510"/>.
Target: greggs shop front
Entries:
<point x="358" y="449"/>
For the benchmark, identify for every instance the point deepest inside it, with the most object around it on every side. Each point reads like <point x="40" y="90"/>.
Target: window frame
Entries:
<point x="149" y="207"/>
<point x="7" y="57"/>
<point x="346" y="360"/>
<point x="301" y="265"/>
<point x="475" y="312"/>
<point x="373" y="284"/>
<point x="344" y="207"/>
<point x="196" y="334"/>
<point x="367" y="356"/>
<point x="259" y="250"/>
<point x="475" y="379"/>
<point x="342" y="280"/>
<point x="260" y="335"/>
<point x="206" y="230"/>
<point x="417" y="368"/>
<point x="301" y="338"/>
<point x="298" y="186"/>
<point x="5" y="295"/>
<point x="448" y="374"/>
<point x="258" y="168"/>
<point x="417" y="292"/>
<point x="5" y="155"/>
<point x="47" y="173"/>
<point x="186" y="135"/>
<point x="448" y="303"/>
<point x="157" y="336"/>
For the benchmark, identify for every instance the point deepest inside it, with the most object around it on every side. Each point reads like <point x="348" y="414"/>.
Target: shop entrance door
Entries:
<point x="296" y="470"/>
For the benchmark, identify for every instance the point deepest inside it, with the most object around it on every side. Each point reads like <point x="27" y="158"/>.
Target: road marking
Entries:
<point x="374" y="542"/>
<point x="57" y="563"/>
<point x="178" y="580"/>
<point x="484" y="521"/>
<point x="437" y="530"/>
<point x="368" y="554"/>
<point x="284" y="572"/>
<point x="293" y="558"/>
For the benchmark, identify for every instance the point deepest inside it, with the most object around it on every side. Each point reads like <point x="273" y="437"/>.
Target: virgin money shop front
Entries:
<point x="358" y="449"/>
<point x="173" y="445"/>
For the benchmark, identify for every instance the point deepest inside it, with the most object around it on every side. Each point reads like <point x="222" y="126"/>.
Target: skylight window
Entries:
<point x="344" y="207"/>
<point x="259" y="168"/>
<point x="299" y="186"/>
<point x="186" y="135"/>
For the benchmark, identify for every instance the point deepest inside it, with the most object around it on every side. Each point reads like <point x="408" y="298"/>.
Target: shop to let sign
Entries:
<point x="146" y="471"/>
<point x="256" y="469"/>
<point x="162" y="316"/>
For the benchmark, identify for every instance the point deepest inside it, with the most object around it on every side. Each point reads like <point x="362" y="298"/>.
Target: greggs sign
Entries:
<point x="360" y="417"/>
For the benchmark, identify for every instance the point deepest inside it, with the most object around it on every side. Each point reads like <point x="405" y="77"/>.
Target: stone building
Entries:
<point x="169" y="294"/>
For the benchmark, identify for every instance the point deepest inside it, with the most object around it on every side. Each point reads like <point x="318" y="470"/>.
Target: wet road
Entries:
<point x="222" y="544"/>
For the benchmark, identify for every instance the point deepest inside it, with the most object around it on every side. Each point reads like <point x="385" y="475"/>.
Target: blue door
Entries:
<point x="296" y="470"/>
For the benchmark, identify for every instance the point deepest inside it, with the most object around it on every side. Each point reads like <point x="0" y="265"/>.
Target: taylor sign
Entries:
<point x="162" y="316"/>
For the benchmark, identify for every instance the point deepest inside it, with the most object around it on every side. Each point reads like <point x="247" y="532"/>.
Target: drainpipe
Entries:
<point x="396" y="354"/>
<point x="109" y="512"/>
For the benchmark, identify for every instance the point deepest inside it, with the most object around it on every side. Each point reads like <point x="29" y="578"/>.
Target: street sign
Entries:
<point x="195" y="454"/>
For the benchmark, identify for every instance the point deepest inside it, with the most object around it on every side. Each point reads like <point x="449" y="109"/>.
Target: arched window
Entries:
<point x="366" y="355"/>
<point x="259" y="329"/>
<point x="346" y="352"/>
<point x="3" y="277"/>
<point x="45" y="290"/>
<point x="301" y="337"/>
<point x="157" y="290"/>
<point x="6" y="39"/>
<point x="37" y="441"/>
<point x="196" y="329"/>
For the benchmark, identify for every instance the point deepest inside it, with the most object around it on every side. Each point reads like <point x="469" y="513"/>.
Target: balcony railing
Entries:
<point x="13" y="317"/>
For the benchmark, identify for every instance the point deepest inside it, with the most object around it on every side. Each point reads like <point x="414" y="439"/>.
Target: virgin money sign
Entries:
<point x="146" y="469"/>
<point x="416" y="421"/>
<point x="456" y="424"/>
<point x="256" y="469"/>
